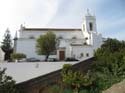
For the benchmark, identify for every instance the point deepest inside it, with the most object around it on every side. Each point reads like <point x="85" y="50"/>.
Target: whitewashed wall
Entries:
<point x="97" y="40"/>
<point x="77" y="50"/>
<point x="28" y="47"/>
<point x="64" y="34"/>
<point x="1" y="55"/>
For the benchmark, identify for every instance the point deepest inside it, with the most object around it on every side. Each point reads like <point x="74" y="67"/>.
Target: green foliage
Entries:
<point x="66" y="68"/>
<point x="7" y="45"/>
<point x="59" y="89"/>
<point x="76" y="79"/>
<point x="7" y="84"/>
<point x="46" y="44"/>
<point x="18" y="56"/>
<point x="55" y="89"/>
<point x="110" y="63"/>
<point x="108" y="69"/>
<point x="113" y="45"/>
<point x="67" y="90"/>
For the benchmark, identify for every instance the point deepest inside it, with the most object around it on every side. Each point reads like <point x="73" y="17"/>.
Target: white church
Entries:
<point x="74" y="43"/>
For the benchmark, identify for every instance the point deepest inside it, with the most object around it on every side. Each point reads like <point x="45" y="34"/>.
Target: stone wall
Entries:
<point x="37" y="85"/>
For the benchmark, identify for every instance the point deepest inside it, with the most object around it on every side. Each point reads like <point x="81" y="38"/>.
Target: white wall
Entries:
<point x="64" y="34"/>
<point x="28" y="47"/>
<point x="97" y="40"/>
<point x="77" y="50"/>
<point x="1" y="55"/>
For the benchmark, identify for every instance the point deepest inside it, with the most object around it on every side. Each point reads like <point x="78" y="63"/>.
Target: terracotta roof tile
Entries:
<point x="51" y="29"/>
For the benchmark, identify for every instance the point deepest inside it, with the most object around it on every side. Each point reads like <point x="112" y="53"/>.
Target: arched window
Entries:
<point x="60" y="37"/>
<point x="87" y="54"/>
<point x="91" y="26"/>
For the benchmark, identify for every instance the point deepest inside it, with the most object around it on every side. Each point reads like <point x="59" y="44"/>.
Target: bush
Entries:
<point x="109" y="67"/>
<point x="18" y="56"/>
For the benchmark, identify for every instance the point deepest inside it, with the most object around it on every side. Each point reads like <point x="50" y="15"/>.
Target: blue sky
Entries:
<point x="110" y="15"/>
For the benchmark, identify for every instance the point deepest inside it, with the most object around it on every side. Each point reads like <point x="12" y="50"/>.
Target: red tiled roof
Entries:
<point x="80" y="45"/>
<point x="51" y="29"/>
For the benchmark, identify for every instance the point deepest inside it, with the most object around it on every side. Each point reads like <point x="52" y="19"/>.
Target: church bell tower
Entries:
<point x="89" y="23"/>
<point x="89" y="28"/>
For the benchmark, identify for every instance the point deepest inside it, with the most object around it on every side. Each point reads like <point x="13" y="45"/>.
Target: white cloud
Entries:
<point x="44" y="11"/>
<point x="35" y="13"/>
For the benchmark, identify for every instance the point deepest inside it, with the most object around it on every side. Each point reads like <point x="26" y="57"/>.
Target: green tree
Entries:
<point x="46" y="44"/>
<point x="113" y="45"/>
<point x="109" y="67"/>
<point x="7" y="84"/>
<point x="75" y="78"/>
<point x="7" y="45"/>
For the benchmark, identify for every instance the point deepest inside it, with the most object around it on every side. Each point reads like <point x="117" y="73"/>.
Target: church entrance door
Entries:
<point x="61" y="55"/>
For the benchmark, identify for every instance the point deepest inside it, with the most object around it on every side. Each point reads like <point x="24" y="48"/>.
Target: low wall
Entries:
<point x="37" y="85"/>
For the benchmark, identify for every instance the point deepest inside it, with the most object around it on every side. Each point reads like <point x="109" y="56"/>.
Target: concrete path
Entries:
<point x="117" y="88"/>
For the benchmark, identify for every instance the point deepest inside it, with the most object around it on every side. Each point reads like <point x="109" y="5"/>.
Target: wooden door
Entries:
<point x="61" y="55"/>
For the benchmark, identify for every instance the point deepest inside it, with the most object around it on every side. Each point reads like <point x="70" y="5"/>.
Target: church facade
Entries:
<point x="74" y="43"/>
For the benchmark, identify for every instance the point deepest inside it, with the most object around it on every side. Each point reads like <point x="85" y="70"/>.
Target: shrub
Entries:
<point x="18" y="56"/>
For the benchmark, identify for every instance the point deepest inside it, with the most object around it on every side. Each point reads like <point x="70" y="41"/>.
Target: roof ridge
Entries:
<point x="56" y="29"/>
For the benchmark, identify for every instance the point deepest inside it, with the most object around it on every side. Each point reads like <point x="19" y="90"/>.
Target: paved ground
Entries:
<point x="117" y="88"/>
<point x="27" y="70"/>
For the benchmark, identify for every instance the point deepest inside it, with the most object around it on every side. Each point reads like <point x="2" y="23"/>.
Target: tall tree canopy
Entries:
<point x="7" y="45"/>
<point x="109" y="67"/>
<point x="113" y="45"/>
<point x="46" y="44"/>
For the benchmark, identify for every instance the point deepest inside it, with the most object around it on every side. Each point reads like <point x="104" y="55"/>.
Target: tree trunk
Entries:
<point x="46" y="59"/>
<point x="7" y="56"/>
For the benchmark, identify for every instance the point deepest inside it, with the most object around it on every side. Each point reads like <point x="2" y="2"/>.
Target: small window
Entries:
<point x="85" y="43"/>
<point x="86" y="38"/>
<point x="31" y="37"/>
<point x="91" y="26"/>
<point x="82" y="55"/>
<point x="60" y="37"/>
<point x="74" y="37"/>
<point x="87" y="54"/>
